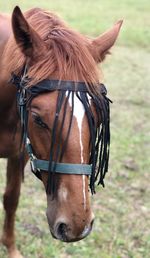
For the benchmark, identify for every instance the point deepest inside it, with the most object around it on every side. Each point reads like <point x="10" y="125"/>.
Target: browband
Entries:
<point x="46" y="85"/>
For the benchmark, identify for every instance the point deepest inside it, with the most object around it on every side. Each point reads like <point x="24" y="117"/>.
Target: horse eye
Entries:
<point x="38" y="121"/>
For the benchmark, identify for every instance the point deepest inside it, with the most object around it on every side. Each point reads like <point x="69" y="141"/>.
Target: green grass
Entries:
<point x="122" y="224"/>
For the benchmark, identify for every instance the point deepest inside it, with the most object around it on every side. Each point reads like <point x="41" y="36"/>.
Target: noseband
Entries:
<point x="100" y="138"/>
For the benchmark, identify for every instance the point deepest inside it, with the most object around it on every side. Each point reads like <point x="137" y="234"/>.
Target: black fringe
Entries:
<point x="100" y="135"/>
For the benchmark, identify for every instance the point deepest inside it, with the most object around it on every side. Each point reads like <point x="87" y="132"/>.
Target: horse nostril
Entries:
<point x="92" y="222"/>
<point x="62" y="231"/>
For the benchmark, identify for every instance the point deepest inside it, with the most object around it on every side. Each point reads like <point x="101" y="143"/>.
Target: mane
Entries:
<point x="67" y="52"/>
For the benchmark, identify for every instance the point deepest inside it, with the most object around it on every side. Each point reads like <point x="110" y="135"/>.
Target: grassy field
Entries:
<point x="122" y="209"/>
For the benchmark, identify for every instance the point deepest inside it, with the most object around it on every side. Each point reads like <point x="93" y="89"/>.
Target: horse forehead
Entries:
<point x="47" y="102"/>
<point x="45" y="99"/>
<point x="78" y="111"/>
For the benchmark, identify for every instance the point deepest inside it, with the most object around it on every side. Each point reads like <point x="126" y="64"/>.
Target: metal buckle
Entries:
<point x="32" y="159"/>
<point x="31" y="155"/>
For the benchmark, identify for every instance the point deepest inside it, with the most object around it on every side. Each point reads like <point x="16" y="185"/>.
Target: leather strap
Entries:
<point x="63" y="168"/>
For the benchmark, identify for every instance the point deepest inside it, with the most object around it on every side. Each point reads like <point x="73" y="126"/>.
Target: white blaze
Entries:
<point x="79" y="112"/>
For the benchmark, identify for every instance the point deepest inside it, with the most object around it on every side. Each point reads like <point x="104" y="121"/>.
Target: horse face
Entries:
<point x="68" y="212"/>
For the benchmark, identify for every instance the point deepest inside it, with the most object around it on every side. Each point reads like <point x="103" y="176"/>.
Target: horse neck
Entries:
<point x="7" y="91"/>
<point x="5" y="31"/>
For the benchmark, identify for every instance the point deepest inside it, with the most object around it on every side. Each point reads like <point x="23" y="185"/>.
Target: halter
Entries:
<point x="100" y="138"/>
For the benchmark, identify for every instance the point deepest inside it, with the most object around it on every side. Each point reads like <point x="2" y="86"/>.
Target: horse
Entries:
<point x="55" y="112"/>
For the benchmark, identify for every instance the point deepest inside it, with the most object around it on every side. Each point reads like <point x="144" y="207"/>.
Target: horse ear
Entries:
<point x="27" y="39"/>
<point x="101" y="45"/>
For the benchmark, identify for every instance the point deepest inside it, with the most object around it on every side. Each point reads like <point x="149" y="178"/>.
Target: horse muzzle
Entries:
<point x="64" y="232"/>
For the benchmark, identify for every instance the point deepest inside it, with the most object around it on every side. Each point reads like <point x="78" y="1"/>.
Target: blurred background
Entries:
<point x="122" y="208"/>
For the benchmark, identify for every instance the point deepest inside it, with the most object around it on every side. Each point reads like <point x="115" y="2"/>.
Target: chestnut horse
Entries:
<point x="51" y="100"/>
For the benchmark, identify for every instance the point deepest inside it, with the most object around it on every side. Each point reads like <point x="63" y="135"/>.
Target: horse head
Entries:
<point x="63" y="125"/>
